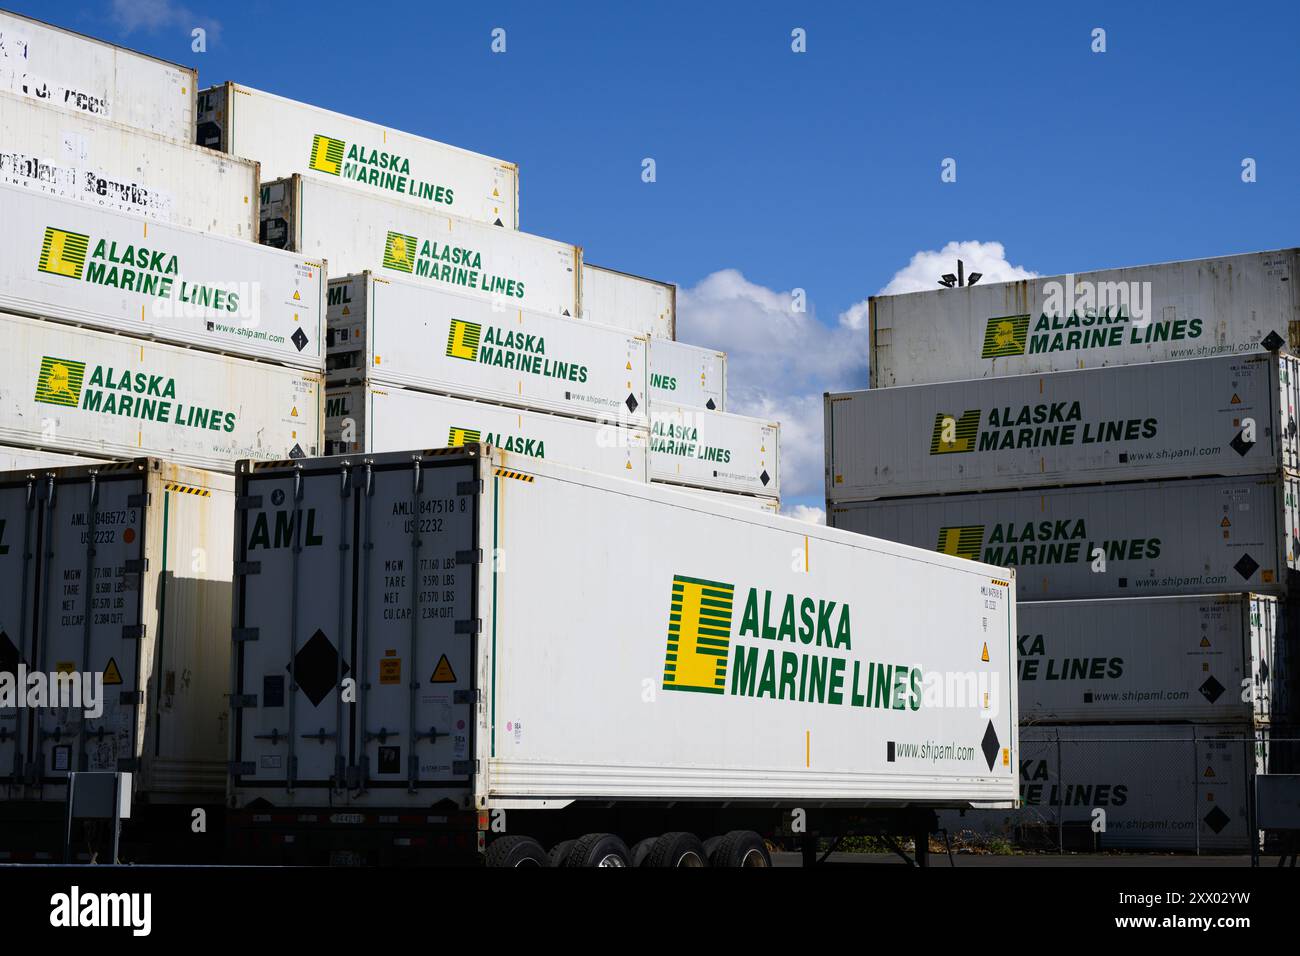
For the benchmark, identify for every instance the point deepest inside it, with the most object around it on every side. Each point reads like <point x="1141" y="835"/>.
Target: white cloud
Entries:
<point x="156" y="15"/>
<point x="807" y="513"/>
<point x="923" y="272"/>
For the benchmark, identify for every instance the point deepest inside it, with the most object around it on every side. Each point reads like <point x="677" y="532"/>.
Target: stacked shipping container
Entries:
<point x="1082" y="429"/>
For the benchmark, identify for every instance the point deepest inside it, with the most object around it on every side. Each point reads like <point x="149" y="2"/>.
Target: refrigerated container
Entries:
<point x="689" y="375"/>
<point x="289" y="137"/>
<point x="625" y="301"/>
<point x="70" y="261"/>
<point x="717" y="450"/>
<point x="109" y="166"/>
<point x="365" y="418"/>
<point x="1199" y="308"/>
<point x="1210" y="659"/>
<point x="79" y="74"/>
<point x="358" y="232"/>
<point x="1203" y="417"/>
<point x="118" y="397"/>
<point x="734" y="499"/>
<point x="391" y="332"/>
<point x="1193" y="536"/>
<point x="14" y="458"/>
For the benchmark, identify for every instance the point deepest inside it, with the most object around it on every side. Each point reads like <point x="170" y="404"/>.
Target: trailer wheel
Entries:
<point x="710" y="848"/>
<point x="677" y="849"/>
<point x="598" y="849"/>
<point x="515" y="851"/>
<point x="740" y="848"/>
<point x="641" y="850"/>
<point x="560" y="852"/>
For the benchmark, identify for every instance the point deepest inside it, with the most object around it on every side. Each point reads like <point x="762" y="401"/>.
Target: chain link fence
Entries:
<point x="1158" y="788"/>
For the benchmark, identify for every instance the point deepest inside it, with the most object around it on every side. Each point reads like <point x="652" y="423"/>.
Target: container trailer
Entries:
<point x="682" y="374"/>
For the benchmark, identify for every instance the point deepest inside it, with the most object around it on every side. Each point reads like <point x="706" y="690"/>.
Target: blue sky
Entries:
<point x="817" y="170"/>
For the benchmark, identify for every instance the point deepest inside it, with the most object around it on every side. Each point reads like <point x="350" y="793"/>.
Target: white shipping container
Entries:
<point x="391" y="332"/>
<point x="1193" y="536"/>
<point x="625" y="301"/>
<point x="110" y="166"/>
<point x="1225" y="416"/>
<point x="80" y="74"/>
<point x="684" y="374"/>
<point x="364" y="418"/>
<point x="118" y="397"/>
<point x="14" y="458"/>
<point x="72" y="262"/>
<point x="558" y="592"/>
<point x="770" y="505"/>
<point x="1149" y="660"/>
<point x="716" y="450"/>
<point x="1230" y="305"/>
<point x="1160" y="787"/>
<point x="288" y="137"/>
<point x="358" y="232"/>
<point x="135" y="606"/>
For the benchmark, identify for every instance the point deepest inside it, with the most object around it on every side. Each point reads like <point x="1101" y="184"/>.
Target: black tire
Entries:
<point x="741" y="848"/>
<point x="677" y="849"/>
<point x="513" y="851"/>
<point x="711" y="847"/>
<point x="642" y="850"/>
<point x="598" y="849"/>
<point x="560" y="852"/>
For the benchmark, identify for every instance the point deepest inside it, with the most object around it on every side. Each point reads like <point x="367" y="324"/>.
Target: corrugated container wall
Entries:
<point x="70" y="261"/>
<point x="770" y="505"/>
<point x="288" y="137"/>
<point x="356" y="232"/>
<point x="367" y="418"/>
<point x="684" y="374"/>
<point x="109" y="166"/>
<point x="1149" y="660"/>
<point x="82" y="75"/>
<point x="625" y="301"/>
<point x="14" y="458"/>
<point x="1231" y="305"/>
<point x="717" y="450"/>
<point x="147" y="605"/>
<point x="403" y="333"/>
<point x="1194" y="536"/>
<point x="114" y="396"/>
<point x="1204" y="417"/>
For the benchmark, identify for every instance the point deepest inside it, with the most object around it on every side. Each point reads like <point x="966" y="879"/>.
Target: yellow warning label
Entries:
<point x="1225" y="523"/>
<point x="443" y="674"/>
<point x="1006" y="756"/>
<point x="1205" y="642"/>
<point x="984" y="654"/>
<point x="1209" y="771"/>
<point x="390" y="670"/>
<point x="629" y="366"/>
<point x="111" y="674"/>
<point x="1236" y="399"/>
<point x="296" y="296"/>
<point x="65" y="667"/>
<point x="347" y="310"/>
<point x="294" y="413"/>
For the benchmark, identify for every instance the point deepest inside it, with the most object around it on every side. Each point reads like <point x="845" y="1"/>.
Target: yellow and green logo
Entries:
<point x="458" y="437"/>
<point x="399" y="252"/>
<point x="699" y="635"/>
<point x="955" y="435"/>
<point x="63" y="253"/>
<point x="962" y="541"/>
<point x="59" y="382"/>
<point x="327" y="154"/>
<point x="1005" y="335"/>
<point x="462" y="340"/>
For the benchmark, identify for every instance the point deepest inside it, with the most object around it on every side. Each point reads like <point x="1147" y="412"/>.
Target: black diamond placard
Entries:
<point x="632" y="404"/>
<point x="299" y="339"/>
<point x="316" y="667"/>
<point x="1216" y="819"/>
<point x="1212" y="690"/>
<point x="1272" y="342"/>
<point x="764" y="477"/>
<point x="296" y="451"/>
<point x="990" y="745"/>
<point x="710" y="405"/>
<point x="1240" y="445"/>
<point x="1246" y="566"/>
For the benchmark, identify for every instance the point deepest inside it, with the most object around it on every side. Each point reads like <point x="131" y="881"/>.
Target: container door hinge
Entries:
<point x="471" y="696"/>
<point x="463" y="768"/>
<point x="474" y="626"/>
<point x="241" y="634"/>
<point x="474" y="487"/>
<point x="248" y="502"/>
<point x="472" y="556"/>
<point x="133" y="632"/>
<point x="246" y="568"/>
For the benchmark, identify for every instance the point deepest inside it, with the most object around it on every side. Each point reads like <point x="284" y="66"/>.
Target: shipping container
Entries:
<point x="688" y="375"/>
<point x="1201" y="308"/>
<point x="361" y="419"/>
<point x="770" y="505"/>
<point x="121" y="570"/>
<point x="14" y="458"/>
<point x="358" y="232"/>
<point x="110" y="166"/>
<point x="1194" y="536"/>
<point x="625" y="301"/>
<point x="1203" y="417"/>
<point x="75" y="263"/>
<point x="116" y="397"/>
<point x="1150" y="660"/>
<point x="80" y="74"/>
<point x="288" y="137"/>
<point x="390" y="332"/>
<point x="1151" y="786"/>
<point x="717" y="450"/>
<point x="519" y="634"/>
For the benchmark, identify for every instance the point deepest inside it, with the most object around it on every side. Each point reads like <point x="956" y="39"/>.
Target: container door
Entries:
<point x="1259" y="646"/>
<point x="418" y="625"/>
<point x="18" y="536"/>
<point x="294" y="665"/>
<point x="89" y="602"/>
